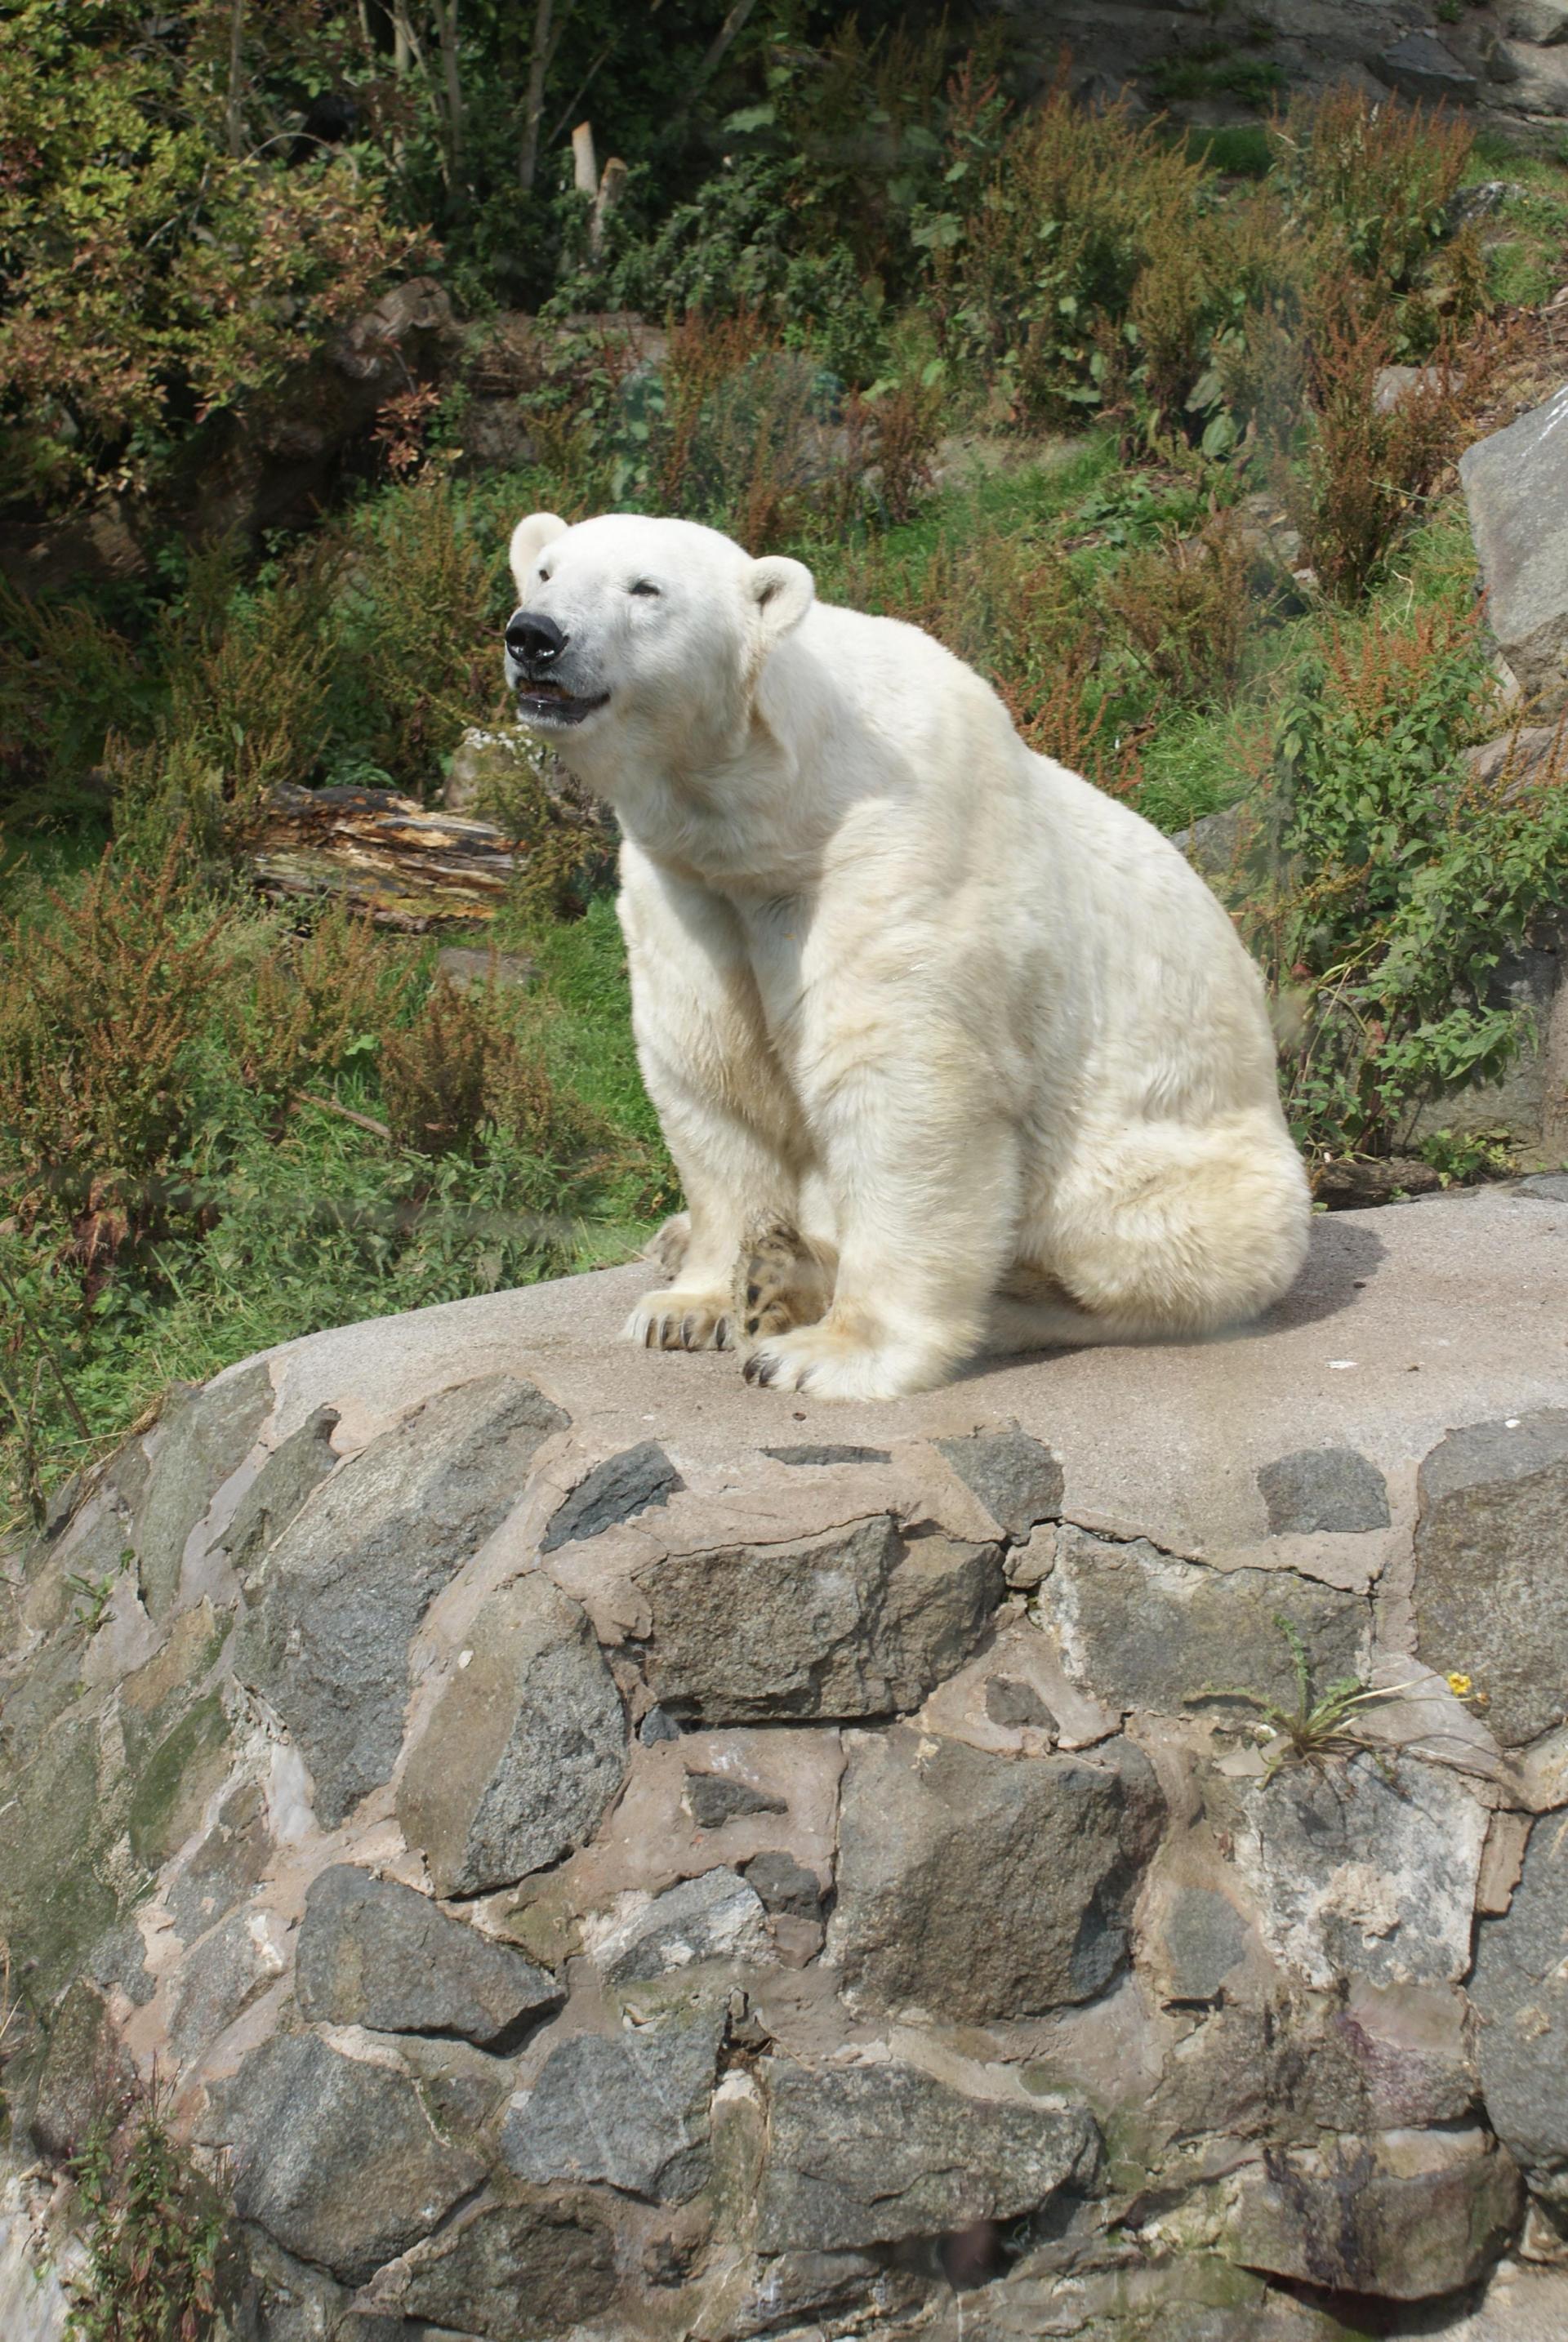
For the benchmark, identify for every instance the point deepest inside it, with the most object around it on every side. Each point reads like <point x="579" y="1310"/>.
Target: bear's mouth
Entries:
<point x="552" y="703"/>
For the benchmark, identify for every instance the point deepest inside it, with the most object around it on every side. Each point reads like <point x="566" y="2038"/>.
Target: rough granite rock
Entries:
<point x="855" y="1622"/>
<point x="1359" y="1872"/>
<point x="717" y="1915"/>
<point x="1516" y="486"/>
<point x="1404" y="2215"/>
<point x="1490" y="1593"/>
<point x="526" y="1747"/>
<point x="372" y="1952"/>
<point x="1520" y="1987"/>
<point x="865" y="2155"/>
<point x="615" y="1490"/>
<point x="1318" y="1489"/>
<point x="1015" y="1478"/>
<point x="336" y="2158"/>
<point x="523" y="2272"/>
<point x="1300" y="2064"/>
<point x="1051" y="1847"/>
<point x="781" y="1884"/>
<point x="714" y="1799"/>
<point x="345" y="1585"/>
<point x="1420" y="66"/>
<point x="205" y="1433"/>
<point x="631" y="2109"/>
<point x="290" y="1473"/>
<point x="1142" y="1629"/>
<point x="86" y="2077"/>
<point x="1544" y="21"/>
<point x="1204" y="1938"/>
<point x="61" y="1883"/>
<point x="223" y="1866"/>
<point x="224" y="1973"/>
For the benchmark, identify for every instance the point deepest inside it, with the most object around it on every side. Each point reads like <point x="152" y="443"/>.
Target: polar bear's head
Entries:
<point x="653" y="631"/>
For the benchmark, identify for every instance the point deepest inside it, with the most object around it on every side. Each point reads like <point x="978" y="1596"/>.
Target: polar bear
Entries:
<point x="952" y="1051"/>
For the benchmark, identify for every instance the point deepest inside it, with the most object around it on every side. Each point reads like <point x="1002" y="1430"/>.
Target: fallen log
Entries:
<point x="379" y="852"/>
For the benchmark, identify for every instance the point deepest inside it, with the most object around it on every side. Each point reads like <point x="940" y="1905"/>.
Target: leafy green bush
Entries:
<point x="1402" y="883"/>
<point x="1069" y="255"/>
<point x="152" y="275"/>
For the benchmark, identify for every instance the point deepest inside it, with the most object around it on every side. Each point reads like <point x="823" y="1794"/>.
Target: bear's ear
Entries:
<point x="783" y="591"/>
<point x="529" y="539"/>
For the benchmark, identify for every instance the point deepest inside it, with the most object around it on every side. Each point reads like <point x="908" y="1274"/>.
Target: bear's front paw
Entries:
<point x="831" y="1364"/>
<point x="673" y="1319"/>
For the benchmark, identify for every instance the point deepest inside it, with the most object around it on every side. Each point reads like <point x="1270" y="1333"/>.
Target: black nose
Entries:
<point x="532" y="639"/>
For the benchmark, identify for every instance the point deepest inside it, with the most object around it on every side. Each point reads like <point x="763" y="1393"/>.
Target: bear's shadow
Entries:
<point x="1345" y="1257"/>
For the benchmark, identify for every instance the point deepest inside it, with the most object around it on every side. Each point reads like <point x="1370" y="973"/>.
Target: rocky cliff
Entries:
<point x="586" y="1847"/>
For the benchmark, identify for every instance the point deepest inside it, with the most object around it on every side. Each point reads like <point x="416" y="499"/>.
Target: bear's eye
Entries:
<point x="643" y="586"/>
<point x="543" y="575"/>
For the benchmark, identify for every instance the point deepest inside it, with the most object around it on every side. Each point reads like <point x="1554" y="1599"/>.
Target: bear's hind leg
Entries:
<point x="1168" y="1234"/>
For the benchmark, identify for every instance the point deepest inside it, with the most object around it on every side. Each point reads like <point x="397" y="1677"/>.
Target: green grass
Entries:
<point x="1527" y="236"/>
<point x="1240" y="150"/>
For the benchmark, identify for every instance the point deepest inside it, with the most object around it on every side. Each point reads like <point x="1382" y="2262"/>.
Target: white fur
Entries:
<point x="896" y="979"/>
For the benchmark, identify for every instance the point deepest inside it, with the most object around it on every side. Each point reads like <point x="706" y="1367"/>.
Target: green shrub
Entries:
<point x="1069" y="255"/>
<point x="154" y="2228"/>
<point x="1402" y="883"/>
<point x="152" y="277"/>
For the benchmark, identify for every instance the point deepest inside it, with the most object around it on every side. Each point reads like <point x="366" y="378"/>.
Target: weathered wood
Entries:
<point x="410" y="868"/>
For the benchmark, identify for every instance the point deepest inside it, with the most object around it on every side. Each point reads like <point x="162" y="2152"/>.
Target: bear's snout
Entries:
<point x="535" y="641"/>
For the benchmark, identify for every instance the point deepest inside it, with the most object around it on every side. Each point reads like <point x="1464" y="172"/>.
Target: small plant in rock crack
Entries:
<point x="1321" y="1724"/>
<point x="154" y="2230"/>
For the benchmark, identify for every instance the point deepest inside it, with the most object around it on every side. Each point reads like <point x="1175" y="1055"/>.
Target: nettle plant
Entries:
<point x="1402" y="883"/>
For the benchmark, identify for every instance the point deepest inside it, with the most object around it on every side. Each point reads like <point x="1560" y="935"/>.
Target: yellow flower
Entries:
<point x="1460" y="1686"/>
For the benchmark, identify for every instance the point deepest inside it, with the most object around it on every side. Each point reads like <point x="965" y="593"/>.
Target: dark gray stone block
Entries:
<point x="373" y="1952"/>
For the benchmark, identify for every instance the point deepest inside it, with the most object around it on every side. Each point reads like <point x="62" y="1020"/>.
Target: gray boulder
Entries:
<point x="867" y="2155"/>
<point x="1367" y="1869"/>
<point x="1537" y="77"/>
<point x="1404" y="2215"/>
<point x="336" y="2159"/>
<point x="855" y="1622"/>
<point x="526" y="1747"/>
<point x="716" y="1916"/>
<point x="1318" y="1490"/>
<point x="1140" y="1629"/>
<point x="1542" y="21"/>
<point x="632" y="2108"/>
<point x="1051" y="1848"/>
<point x="1420" y="66"/>
<point x="617" y="1490"/>
<point x="343" y="1589"/>
<point x="522" y="2272"/>
<point x="372" y="1952"/>
<point x="1521" y="1993"/>
<point x="1015" y="1475"/>
<point x="1490" y="1593"/>
<point x="204" y="1434"/>
<point x="1516" y="486"/>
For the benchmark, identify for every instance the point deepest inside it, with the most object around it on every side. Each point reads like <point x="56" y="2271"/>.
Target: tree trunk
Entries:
<point x="533" y="103"/>
<point x="381" y="853"/>
<point x="234" y="112"/>
<point x="452" y="86"/>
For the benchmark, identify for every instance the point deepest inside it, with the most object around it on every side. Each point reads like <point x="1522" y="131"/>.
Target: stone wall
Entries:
<point x="591" y="1849"/>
